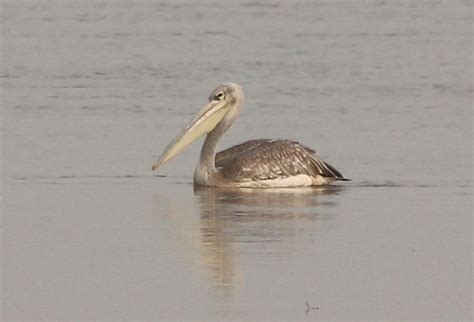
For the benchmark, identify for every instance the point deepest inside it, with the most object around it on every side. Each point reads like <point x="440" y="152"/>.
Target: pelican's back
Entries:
<point x="260" y="160"/>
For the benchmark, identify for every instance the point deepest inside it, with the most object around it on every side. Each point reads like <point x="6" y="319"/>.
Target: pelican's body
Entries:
<point x="262" y="163"/>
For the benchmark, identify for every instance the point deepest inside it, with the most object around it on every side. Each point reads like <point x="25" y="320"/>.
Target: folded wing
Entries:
<point x="271" y="159"/>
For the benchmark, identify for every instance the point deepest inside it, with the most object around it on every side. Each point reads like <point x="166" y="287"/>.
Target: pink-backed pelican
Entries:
<point x="262" y="163"/>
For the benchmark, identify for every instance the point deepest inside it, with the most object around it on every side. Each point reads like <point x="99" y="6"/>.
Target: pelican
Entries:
<point x="262" y="163"/>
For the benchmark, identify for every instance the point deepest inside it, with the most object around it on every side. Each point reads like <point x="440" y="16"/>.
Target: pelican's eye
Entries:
<point x="219" y="96"/>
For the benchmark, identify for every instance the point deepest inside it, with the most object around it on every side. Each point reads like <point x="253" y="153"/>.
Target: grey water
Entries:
<point x="92" y="92"/>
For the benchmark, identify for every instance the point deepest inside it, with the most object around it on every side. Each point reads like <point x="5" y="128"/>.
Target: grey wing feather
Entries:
<point x="276" y="159"/>
<point x="231" y="153"/>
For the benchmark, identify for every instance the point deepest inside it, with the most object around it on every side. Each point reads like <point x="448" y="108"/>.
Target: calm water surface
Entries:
<point x="93" y="91"/>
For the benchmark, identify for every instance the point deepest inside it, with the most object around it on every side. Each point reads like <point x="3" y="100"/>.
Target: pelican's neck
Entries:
<point x="208" y="151"/>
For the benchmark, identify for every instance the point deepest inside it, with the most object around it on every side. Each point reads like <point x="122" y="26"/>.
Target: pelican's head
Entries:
<point x="230" y="93"/>
<point x="225" y="100"/>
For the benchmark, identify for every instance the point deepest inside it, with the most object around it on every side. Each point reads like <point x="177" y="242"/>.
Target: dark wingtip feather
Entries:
<point x="336" y="173"/>
<point x="342" y="179"/>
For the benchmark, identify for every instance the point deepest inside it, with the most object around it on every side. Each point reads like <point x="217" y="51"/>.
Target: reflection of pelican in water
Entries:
<point x="257" y="204"/>
<point x="258" y="163"/>
<point x="234" y="221"/>
<point x="232" y="218"/>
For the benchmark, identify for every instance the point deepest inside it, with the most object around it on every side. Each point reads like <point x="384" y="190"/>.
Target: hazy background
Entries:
<point x="92" y="91"/>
